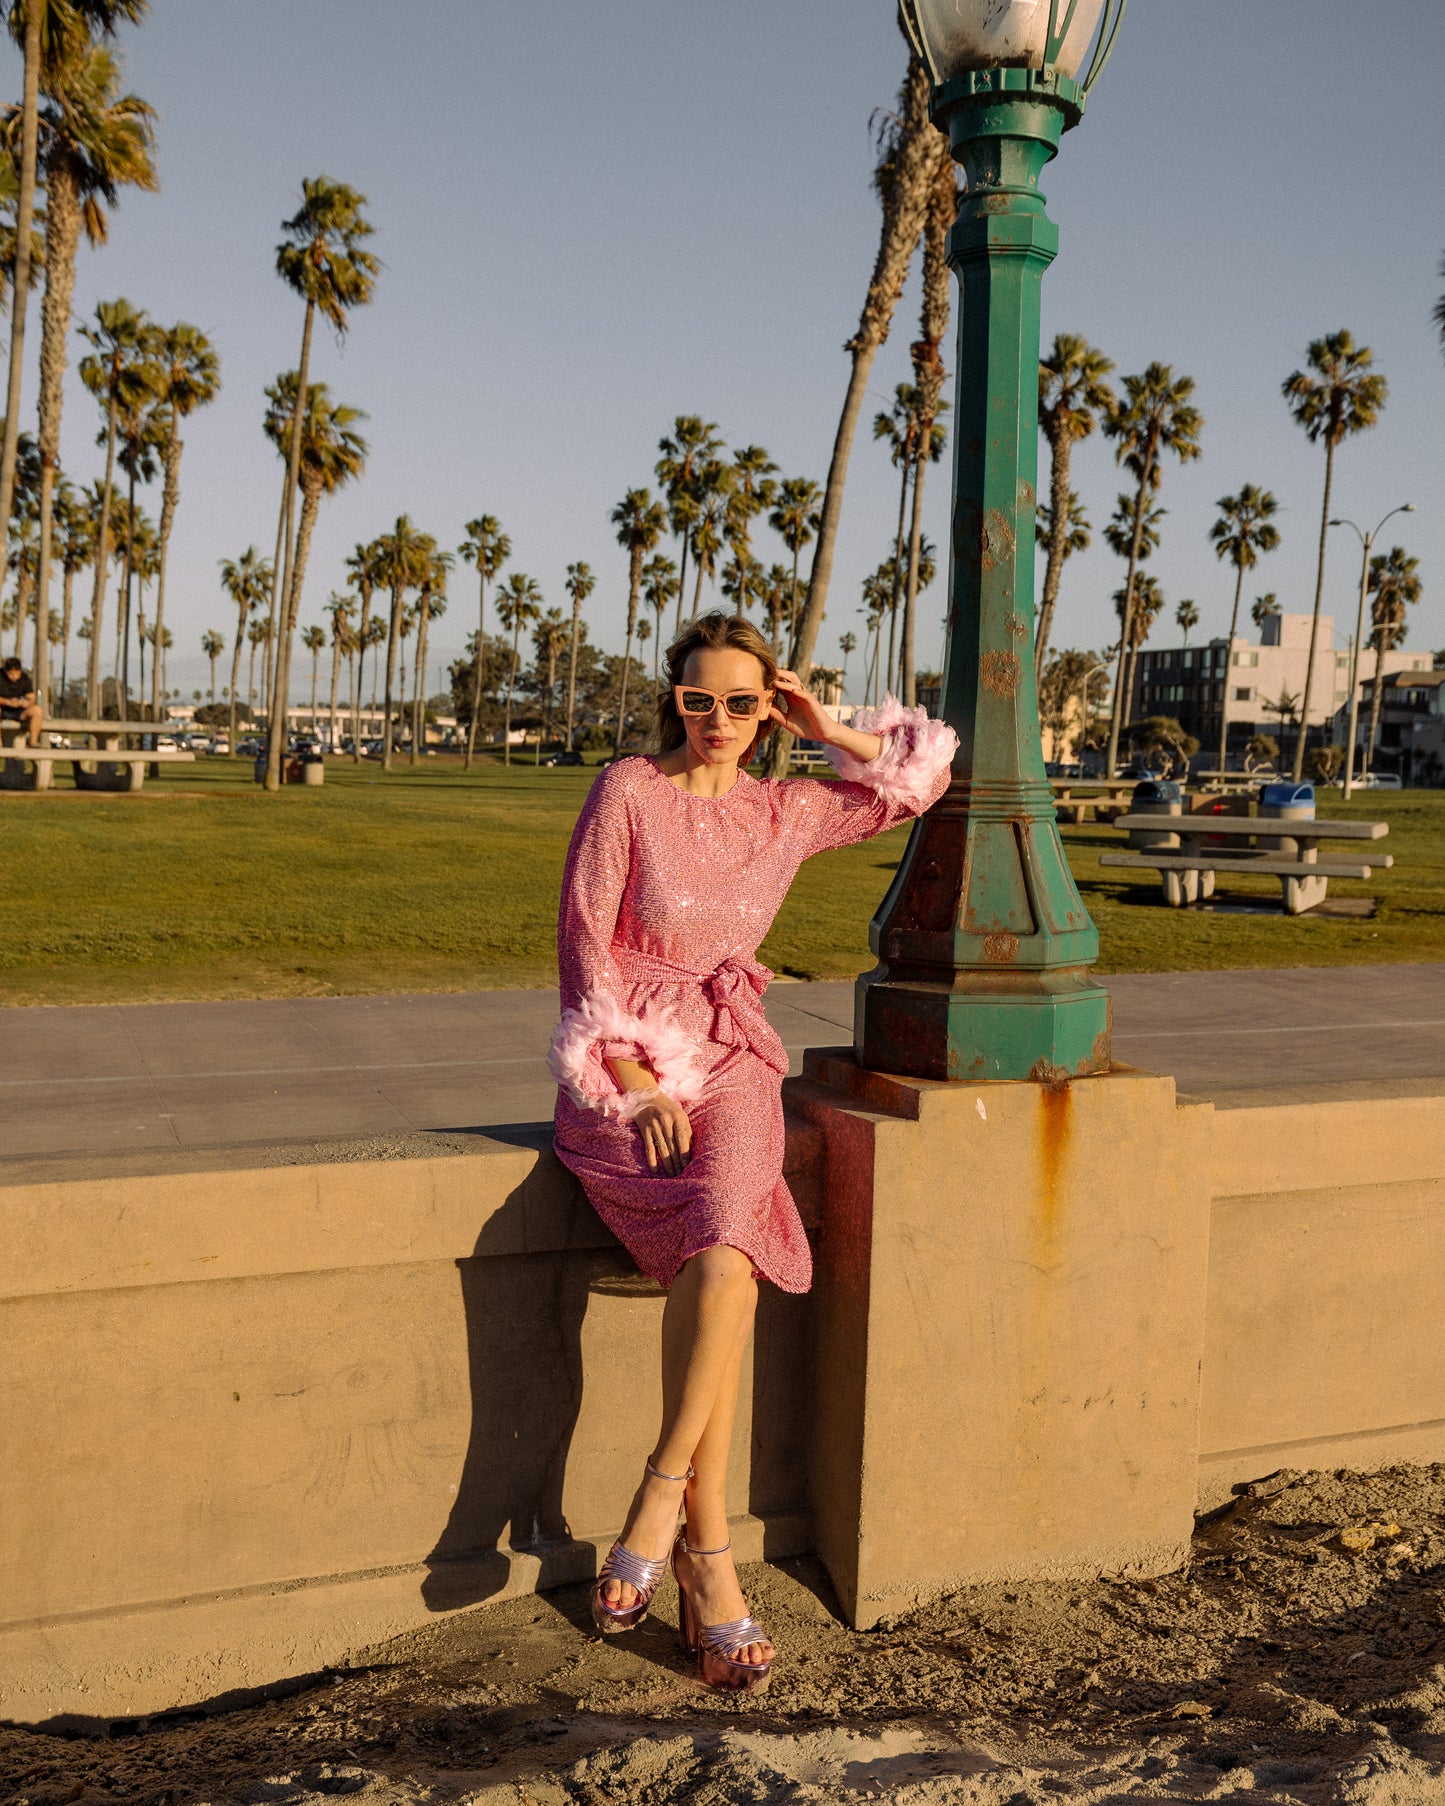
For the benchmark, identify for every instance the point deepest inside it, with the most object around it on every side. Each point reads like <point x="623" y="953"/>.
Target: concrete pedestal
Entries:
<point x="1011" y="1296"/>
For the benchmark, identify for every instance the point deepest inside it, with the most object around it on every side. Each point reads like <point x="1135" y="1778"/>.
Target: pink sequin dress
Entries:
<point x="665" y="899"/>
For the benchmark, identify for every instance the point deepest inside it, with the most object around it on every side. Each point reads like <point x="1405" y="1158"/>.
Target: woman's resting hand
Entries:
<point x="666" y="1135"/>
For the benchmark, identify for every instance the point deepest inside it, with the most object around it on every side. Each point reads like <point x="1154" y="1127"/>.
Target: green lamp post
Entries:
<point x="984" y="944"/>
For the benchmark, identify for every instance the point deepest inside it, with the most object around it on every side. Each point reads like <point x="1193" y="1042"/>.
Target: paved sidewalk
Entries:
<point x="193" y="1075"/>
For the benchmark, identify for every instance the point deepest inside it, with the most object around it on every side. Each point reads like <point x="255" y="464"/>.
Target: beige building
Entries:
<point x="1259" y="687"/>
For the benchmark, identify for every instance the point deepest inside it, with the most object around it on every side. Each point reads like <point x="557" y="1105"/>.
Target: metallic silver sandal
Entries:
<point x="714" y="1647"/>
<point x="639" y="1572"/>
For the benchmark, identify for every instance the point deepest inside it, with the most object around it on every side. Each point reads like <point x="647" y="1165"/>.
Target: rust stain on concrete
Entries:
<point x="1001" y="949"/>
<point x="1055" y="1131"/>
<point x="1001" y="672"/>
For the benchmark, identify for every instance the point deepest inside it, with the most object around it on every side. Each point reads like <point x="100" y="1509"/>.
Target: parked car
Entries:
<point x="248" y="749"/>
<point x="1056" y="768"/>
<point x="1379" y="780"/>
<point x="564" y="758"/>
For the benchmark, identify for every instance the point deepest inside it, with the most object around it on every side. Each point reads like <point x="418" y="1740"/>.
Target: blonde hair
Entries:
<point x="716" y="632"/>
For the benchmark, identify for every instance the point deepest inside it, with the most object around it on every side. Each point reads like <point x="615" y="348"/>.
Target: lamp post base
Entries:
<point x="1047" y="1026"/>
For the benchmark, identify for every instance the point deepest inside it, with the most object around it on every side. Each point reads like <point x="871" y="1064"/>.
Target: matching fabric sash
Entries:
<point x="735" y="990"/>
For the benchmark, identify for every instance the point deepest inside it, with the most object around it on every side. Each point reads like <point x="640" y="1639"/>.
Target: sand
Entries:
<point x="1299" y="1659"/>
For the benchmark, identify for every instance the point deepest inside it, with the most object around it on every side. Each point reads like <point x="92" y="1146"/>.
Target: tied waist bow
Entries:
<point x="734" y="989"/>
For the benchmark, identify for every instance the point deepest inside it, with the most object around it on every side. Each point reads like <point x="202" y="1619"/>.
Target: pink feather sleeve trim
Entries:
<point x="916" y="749"/>
<point x="599" y="1025"/>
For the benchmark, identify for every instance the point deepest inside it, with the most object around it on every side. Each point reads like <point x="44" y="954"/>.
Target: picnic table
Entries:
<point x="104" y="765"/>
<point x="1188" y="851"/>
<point x="1081" y="797"/>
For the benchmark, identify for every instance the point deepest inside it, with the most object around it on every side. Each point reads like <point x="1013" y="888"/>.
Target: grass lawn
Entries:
<point x="202" y="886"/>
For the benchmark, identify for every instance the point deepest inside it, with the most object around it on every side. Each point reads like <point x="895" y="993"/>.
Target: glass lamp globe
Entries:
<point x="955" y="37"/>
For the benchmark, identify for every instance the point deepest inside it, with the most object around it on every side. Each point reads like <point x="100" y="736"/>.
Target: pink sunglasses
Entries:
<point x="742" y="705"/>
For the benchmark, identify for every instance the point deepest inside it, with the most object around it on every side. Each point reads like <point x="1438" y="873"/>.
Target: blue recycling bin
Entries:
<point x="1287" y="802"/>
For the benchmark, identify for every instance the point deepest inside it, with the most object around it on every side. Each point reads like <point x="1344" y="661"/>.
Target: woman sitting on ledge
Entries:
<point x="669" y="1107"/>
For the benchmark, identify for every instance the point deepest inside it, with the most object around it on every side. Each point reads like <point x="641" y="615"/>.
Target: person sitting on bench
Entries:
<point x="17" y="698"/>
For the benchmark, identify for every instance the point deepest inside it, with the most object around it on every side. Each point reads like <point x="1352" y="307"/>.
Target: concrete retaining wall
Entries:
<point x="254" y="1419"/>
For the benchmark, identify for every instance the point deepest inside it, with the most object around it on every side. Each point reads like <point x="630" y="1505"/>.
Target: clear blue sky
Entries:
<point x="594" y="218"/>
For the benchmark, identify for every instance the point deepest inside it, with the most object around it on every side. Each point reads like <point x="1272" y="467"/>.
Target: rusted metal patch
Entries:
<point x="1017" y="626"/>
<point x="996" y="540"/>
<point x="1053" y="1078"/>
<point x="1001" y="949"/>
<point x="1027" y="498"/>
<point x="1001" y="672"/>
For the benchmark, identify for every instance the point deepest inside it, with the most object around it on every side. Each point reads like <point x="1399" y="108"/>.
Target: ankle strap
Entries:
<point x="658" y="1474"/>
<point x="691" y="1551"/>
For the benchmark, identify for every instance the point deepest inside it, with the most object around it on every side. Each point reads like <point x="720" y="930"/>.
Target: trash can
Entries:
<point x="313" y="768"/>
<point x="259" y="769"/>
<point x="1287" y="802"/>
<point x="1155" y="796"/>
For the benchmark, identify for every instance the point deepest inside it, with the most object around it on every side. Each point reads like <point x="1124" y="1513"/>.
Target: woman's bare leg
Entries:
<point x="708" y="1310"/>
<point x="713" y="1579"/>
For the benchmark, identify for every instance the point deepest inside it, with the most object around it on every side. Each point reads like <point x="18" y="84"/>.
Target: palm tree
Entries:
<point x="1076" y="534"/>
<point x="910" y="153"/>
<point x="332" y="453"/>
<point x="550" y="639"/>
<point x="580" y="585"/>
<point x="847" y="644"/>
<point x="899" y="427"/>
<point x="1336" y="396"/>
<point x="213" y="644"/>
<point x="1147" y="605"/>
<point x="93" y="141"/>
<point x="313" y="638"/>
<point x="362" y="566"/>
<point x="324" y="260"/>
<point x="928" y="378"/>
<point x="1073" y="396"/>
<point x="116" y="371"/>
<point x="339" y="610"/>
<point x="795" y="518"/>
<point x="257" y="634"/>
<point x="713" y="483"/>
<point x="431" y="605"/>
<point x="77" y="548"/>
<point x="750" y="490"/>
<point x="640" y="523"/>
<point x="53" y="35"/>
<point x="190" y="377"/>
<point x="488" y="549"/>
<point x="1186" y="617"/>
<point x="140" y="435"/>
<point x="693" y="443"/>
<point x="1263" y="608"/>
<point x="1155" y="417"/>
<point x="1244" y="529"/>
<point x="403" y="562"/>
<point x="660" y="584"/>
<point x="519" y="602"/>
<point x="247" y="581"/>
<point x="1394" y="584"/>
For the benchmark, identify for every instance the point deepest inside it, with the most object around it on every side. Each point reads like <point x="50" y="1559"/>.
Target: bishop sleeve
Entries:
<point x="909" y="775"/>
<point x="597" y="1022"/>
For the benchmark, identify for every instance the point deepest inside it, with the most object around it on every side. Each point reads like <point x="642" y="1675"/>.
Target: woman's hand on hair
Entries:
<point x="798" y="710"/>
<point x="666" y="1135"/>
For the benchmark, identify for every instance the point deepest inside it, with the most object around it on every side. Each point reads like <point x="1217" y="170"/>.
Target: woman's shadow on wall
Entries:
<point x="525" y="1292"/>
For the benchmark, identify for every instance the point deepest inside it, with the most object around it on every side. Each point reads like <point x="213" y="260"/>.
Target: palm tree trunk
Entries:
<point x="1304" y="729"/>
<point x="1121" y="700"/>
<point x="393" y="646"/>
<point x="572" y="665"/>
<point x="681" y="587"/>
<point x="909" y="675"/>
<point x="235" y="674"/>
<point x="281" y="679"/>
<point x="126" y="570"/>
<point x="251" y="683"/>
<point x="1228" y="660"/>
<point x="1061" y="454"/>
<point x="102" y="559"/>
<point x="335" y="681"/>
<point x="1377" y="692"/>
<point x="20" y="287"/>
<point x="62" y="234"/>
<point x="170" y="494"/>
<point x="66" y="610"/>
<point x="418" y="713"/>
<point x="477" y="671"/>
<point x="362" y="631"/>
<point x="634" y="580"/>
<point x="511" y="679"/>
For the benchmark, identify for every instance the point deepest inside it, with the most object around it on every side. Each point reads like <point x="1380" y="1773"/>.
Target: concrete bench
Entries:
<point x="94" y="768"/>
<point x="1175" y="846"/>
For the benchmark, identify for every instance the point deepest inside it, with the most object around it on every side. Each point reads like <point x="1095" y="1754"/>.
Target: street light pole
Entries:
<point x="983" y="941"/>
<point x="1367" y="541"/>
